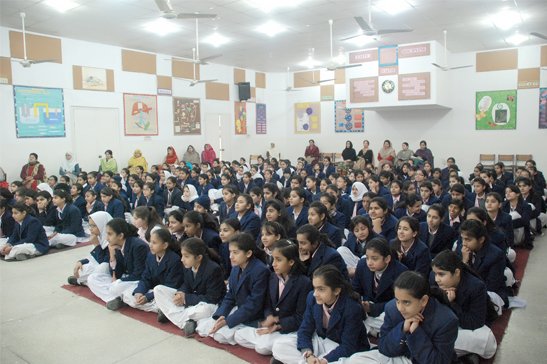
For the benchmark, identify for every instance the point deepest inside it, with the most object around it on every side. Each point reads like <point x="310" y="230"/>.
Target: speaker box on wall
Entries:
<point x="244" y="89"/>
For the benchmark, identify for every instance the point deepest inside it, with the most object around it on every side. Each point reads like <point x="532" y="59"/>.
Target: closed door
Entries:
<point x="217" y="130"/>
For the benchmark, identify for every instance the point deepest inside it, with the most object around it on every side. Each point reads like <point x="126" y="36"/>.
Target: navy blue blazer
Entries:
<point x="389" y="227"/>
<point x="326" y="255"/>
<point x="363" y="283"/>
<point x="334" y="233"/>
<point x="290" y="307"/>
<point x="358" y="247"/>
<point x="211" y="238"/>
<point x="302" y="217"/>
<point x="157" y="202"/>
<point x="505" y="223"/>
<point x="328" y="171"/>
<point x="444" y="238"/>
<point x="345" y="206"/>
<point x="47" y="218"/>
<point x="345" y="327"/>
<point x="523" y="221"/>
<point x="417" y="258"/>
<point x="471" y="300"/>
<point x="224" y="212"/>
<point x="402" y="211"/>
<point x="101" y="255"/>
<point x="30" y="231"/>
<point x="69" y="221"/>
<point x="80" y="203"/>
<point x="130" y="264"/>
<point x="203" y="190"/>
<point x="174" y="200"/>
<point x="247" y="290"/>
<point x="466" y="201"/>
<point x="97" y="206"/>
<point x="242" y="189"/>
<point x="432" y="342"/>
<point x="167" y="272"/>
<point x="115" y="208"/>
<point x="97" y="188"/>
<point x="391" y="204"/>
<point x="207" y="286"/>
<point x="250" y="223"/>
<point x="339" y="219"/>
<point x="135" y="202"/>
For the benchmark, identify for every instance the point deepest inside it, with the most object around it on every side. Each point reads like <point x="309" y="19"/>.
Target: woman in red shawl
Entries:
<point x="171" y="157"/>
<point x="208" y="155"/>
<point x="312" y="152"/>
<point x="33" y="172"/>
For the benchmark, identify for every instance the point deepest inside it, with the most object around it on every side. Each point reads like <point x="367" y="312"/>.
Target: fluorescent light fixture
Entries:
<point x="268" y="6"/>
<point x="339" y="59"/>
<point x="161" y="27"/>
<point x="517" y="39"/>
<point x="62" y="5"/>
<point x="393" y="7"/>
<point x="506" y="19"/>
<point x="309" y="63"/>
<point x="271" y="28"/>
<point x="361" y="40"/>
<point x="216" y="39"/>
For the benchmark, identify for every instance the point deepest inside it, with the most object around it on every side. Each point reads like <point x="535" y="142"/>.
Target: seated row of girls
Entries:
<point x="66" y="227"/>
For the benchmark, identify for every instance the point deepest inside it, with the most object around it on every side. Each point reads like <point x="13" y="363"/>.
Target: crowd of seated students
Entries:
<point x="317" y="260"/>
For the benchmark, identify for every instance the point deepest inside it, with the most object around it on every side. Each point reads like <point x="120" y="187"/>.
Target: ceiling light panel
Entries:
<point x="393" y="7"/>
<point x="271" y="28"/>
<point x="62" y="6"/>
<point x="505" y="19"/>
<point x="517" y="39"/>
<point x="216" y="39"/>
<point x="268" y="6"/>
<point x="161" y="27"/>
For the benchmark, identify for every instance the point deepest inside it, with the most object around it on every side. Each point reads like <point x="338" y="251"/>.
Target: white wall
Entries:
<point x="448" y="132"/>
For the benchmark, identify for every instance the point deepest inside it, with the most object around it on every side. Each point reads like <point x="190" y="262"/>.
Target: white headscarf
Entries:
<point x="44" y="187"/>
<point x="101" y="218"/>
<point x="193" y="193"/>
<point x="361" y="190"/>
<point x="68" y="165"/>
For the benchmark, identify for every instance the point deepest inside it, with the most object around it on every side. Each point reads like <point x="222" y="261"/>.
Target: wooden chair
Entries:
<point x="508" y="160"/>
<point x="520" y="159"/>
<point x="337" y="157"/>
<point x="487" y="160"/>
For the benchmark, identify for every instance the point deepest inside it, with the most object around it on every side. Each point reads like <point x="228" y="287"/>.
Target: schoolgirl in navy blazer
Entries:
<point x="324" y="255"/>
<point x="444" y="238"/>
<point x="334" y="233"/>
<point x="417" y="258"/>
<point x="247" y="291"/>
<point x="80" y="203"/>
<point x="115" y="208"/>
<point x="211" y="238"/>
<point x="345" y="327"/>
<point x="168" y="272"/>
<point x="421" y="216"/>
<point x="302" y="218"/>
<point x="358" y="247"/>
<point x="250" y="223"/>
<point x="137" y="201"/>
<point x="206" y="286"/>
<point x="389" y="227"/>
<point x="224" y="212"/>
<point x="525" y="212"/>
<point x="30" y="231"/>
<point x="157" y="202"/>
<point x="130" y="265"/>
<point x="504" y="222"/>
<point x="363" y="283"/>
<point x="69" y="221"/>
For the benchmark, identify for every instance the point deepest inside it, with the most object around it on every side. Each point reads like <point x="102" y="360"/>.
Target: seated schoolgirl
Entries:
<point x="332" y="326"/>
<point x="426" y="193"/>
<point x="246" y="183"/>
<point x="28" y="238"/>
<point x="162" y="267"/>
<point x="146" y="220"/>
<point x="312" y="186"/>
<point x="227" y="206"/>
<point x="468" y="299"/>
<point x="383" y="222"/>
<point x="318" y="216"/>
<point x="203" y="185"/>
<point x="502" y="220"/>
<point x="285" y="303"/>
<point x="92" y="204"/>
<point x="77" y="198"/>
<point x="111" y="204"/>
<point x="358" y="189"/>
<point x="375" y="185"/>
<point x="126" y="266"/>
<point x="175" y="225"/>
<point x="373" y="280"/>
<point x="258" y="202"/>
<point x="435" y="233"/>
<point x="228" y="229"/>
<point x="275" y="212"/>
<point x="456" y="212"/>
<point x="198" y="225"/>
<point x="354" y="248"/>
<point x="520" y="212"/>
<point x="395" y="197"/>
<point x="269" y="234"/>
<point x="337" y="218"/>
<point x="244" y="301"/>
<point x="189" y="196"/>
<point x="411" y="251"/>
<point x="538" y="218"/>
<point x="244" y="212"/>
<point x="298" y="209"/>
<point x="480" y="188"/>
<point x="486" y="259"/>
<point x="137" y="197"/>
<point x="316" y="250"/>
<point x="68" y="222"/>
<point x="100" y="253"/>
<point x="45" y="211"/>
<point x="7" y="222"/>
<point x="172" y="195"/>
<point x="200" y="292"/>
<point x="343" y="205"/>
<point x="418" y="327"/>
<point x="153" y="199"/>
<point x="412" y="207"/>
<point x="120" y="194"/>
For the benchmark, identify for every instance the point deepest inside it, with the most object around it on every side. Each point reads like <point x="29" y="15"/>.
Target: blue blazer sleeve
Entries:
<point x="146" y="282"/>
<point x="307" y="327"/>
<point x="117" y="209"/>
<point x="135" y="260"/>
<point x="300" y="291"/>
<point x="250" y="223"/>
<point x="471" y="302"/>
<point x="391" y="332"/>
<point x="212" y="288"/>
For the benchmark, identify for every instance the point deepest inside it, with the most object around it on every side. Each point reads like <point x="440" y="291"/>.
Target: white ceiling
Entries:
<point x="119" y="22"/>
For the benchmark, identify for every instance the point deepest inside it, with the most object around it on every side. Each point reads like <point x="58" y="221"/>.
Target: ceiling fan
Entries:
<point x="539" y="35"/>
<point x="333" y="65"/>
<point x="368" y="29"/>
<point x="445" y="67"/>
<point x="195" y="57"/>
<point x="289" y="88"/>
<point x="195" y="81"/>
<point x="169" y="13"/>
<point x="25" y="62"/>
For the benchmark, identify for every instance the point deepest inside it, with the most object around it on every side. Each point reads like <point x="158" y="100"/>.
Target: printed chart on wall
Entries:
<point x="496" y="110"/>
<point x="307" y="117"/>
<point x="240" y="109"/>
<point x="261" y="118"/>
<point x="543" y="108"/>
<point x="348" y="120"/>
<point x="140" y="114"/>
<point x="186" y="116"/>
<point x="39" y="112"/>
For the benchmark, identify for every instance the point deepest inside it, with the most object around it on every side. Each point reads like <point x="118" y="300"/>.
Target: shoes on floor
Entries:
<point x="20" y="257"/>
<point x="275" y="361"/>
<point x="162" y="319"/>
<point x="190" y="328"/>
<point x="469" y="359"/>
<point x="73" y="281"/>
<point x="60" y="246"/>
<point x="115" y="304"/>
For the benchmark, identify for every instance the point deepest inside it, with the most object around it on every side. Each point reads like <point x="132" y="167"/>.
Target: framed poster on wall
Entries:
<point x="140" y="114"/>
<point x="307" y="117"/>
<point x="543" y="108"/>
<point x="496" y="110"/>
<point x="261" y="119"/>
<point x="186" y="116"/>
<point x="39" y="112"/>
<point x="240" y="112"/>
<point x="348" y="120"/>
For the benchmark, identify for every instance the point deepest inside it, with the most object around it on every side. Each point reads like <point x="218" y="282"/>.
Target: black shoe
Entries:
<point x="275" y="361"/>
<point x="60" y="246"/>
<point x="162" y="319"/>
<point x="469" y="359"/>
<point x="190" y="328"/>
<point x="73" y="281"/>
<point x="20" y="257"/>
<point x="115" y="304"/>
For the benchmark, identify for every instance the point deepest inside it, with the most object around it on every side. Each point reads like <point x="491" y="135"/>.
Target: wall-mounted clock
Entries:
<point x="388" y="86"/>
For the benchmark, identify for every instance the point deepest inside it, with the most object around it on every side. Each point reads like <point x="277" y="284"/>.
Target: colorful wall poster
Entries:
<point x="261" y="118"/>
<point x="496" y="110"/>
<point x="348" y="120"/>
<point x="186" y="116"/>
<point x="307" y="117"/>
<point x="543" y="108"/>
<point x="240" y="109"/>
<point x="140" y="114"/>
<point x="39" y="112"/>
